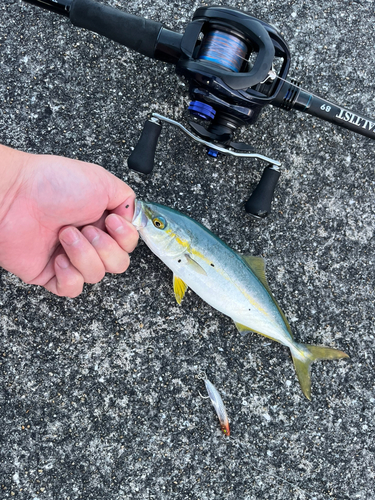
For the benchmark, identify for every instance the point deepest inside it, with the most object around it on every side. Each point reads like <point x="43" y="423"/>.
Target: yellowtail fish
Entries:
<point x="233" y="284"/>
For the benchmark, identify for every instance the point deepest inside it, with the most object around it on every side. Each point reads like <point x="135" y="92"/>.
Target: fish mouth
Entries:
<point x="139" y="218"/>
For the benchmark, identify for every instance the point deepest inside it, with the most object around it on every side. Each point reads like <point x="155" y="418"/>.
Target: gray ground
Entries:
<point x="99" y="395"/>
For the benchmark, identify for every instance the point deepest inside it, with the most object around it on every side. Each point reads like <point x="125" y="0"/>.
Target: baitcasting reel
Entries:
<point x="235" y="65"/>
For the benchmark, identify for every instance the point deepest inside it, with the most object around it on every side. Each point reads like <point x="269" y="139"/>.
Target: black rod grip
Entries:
<point x="132" y="31"/>
<point x="259" y="203"/>
<point x="142" y="158"/>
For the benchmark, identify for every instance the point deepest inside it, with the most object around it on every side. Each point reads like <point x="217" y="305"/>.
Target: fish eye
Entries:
<point x="159" y="222"/>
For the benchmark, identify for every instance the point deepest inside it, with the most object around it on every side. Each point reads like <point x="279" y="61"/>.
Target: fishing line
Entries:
<point x="273" y="75"/>
<point x="223" y="49"/>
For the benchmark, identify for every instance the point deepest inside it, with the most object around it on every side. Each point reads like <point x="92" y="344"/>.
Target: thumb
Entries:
<point x="121" y="197"/>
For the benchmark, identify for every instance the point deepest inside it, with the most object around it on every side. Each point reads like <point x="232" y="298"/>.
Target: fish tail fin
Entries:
<point x="304" y="355"/>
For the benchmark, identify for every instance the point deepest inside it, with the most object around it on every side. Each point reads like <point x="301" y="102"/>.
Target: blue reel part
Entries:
<point x="201" y="110"/>
<point x="212" y="152"/>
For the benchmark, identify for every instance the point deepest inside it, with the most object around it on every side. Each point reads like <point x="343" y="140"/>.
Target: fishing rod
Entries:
<point x="235" y="64"/>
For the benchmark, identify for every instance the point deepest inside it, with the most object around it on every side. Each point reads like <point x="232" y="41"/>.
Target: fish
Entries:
<point x="231" y="283"/>
<point x="218" y="404"/>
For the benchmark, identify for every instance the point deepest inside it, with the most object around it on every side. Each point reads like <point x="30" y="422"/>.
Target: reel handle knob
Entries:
<point x="259" y="203"/>
<point x="142" y="158"/>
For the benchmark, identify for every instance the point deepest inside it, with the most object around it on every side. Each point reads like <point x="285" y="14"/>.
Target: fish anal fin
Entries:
<point x="179" y="288"/>
<point x="243" y="329"/>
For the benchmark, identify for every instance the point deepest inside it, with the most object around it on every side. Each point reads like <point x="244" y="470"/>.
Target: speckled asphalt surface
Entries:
<point x="99" y="395"/>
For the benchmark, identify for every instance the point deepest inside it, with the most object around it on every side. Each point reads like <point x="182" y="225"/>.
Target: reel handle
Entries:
<point x="259" y="203"/>
<point x="142" y="158"/>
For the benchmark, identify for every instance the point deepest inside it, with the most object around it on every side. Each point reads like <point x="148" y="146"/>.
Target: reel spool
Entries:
<point x="229" y="50"/>
<point x="221" y="47"/>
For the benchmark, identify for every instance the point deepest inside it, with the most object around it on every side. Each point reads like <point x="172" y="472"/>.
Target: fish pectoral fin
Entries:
<point x="194" y="265"/>
<point x="179" y="288"/>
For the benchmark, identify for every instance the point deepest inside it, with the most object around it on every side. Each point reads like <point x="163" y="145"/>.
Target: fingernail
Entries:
<point x="69" y="236"/>
<point x="62" y="261"/>
<point x="115" y="223"/>
<point x="91" y="234"/>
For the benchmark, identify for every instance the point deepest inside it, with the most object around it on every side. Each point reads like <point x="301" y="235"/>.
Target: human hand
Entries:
<point x="63" y="222"/>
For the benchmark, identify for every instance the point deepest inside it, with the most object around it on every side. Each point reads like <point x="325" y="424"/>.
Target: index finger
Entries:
<point x="122" y="231"/>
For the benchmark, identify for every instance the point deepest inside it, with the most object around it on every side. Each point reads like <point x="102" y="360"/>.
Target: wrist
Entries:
<point x="12" y="163"/>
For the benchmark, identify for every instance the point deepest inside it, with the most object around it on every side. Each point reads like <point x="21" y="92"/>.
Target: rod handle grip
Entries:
<point x="132" y="31"/>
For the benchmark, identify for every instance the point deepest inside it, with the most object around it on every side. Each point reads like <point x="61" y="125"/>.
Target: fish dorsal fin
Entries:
<point x="194" y="265"/>
<point x="257" y="265"/>
<point x="179" y="288"/>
